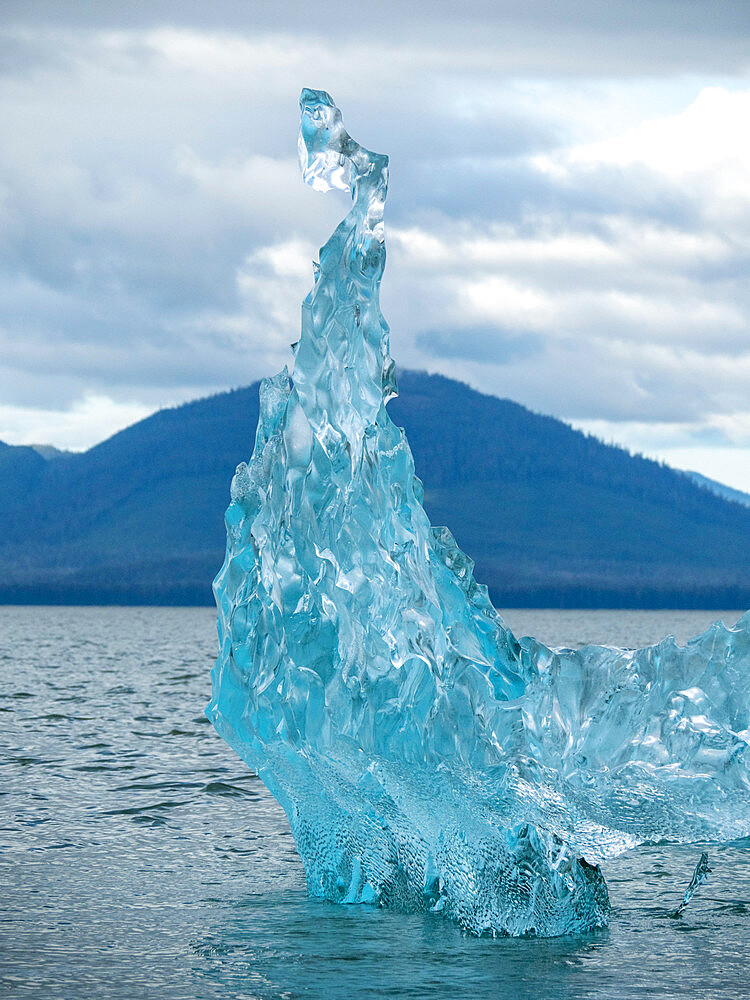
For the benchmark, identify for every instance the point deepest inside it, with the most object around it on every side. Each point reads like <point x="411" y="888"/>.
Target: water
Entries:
<point x="138" y="857"/>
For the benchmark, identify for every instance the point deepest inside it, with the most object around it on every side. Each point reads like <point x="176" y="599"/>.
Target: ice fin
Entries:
<point x="701" y="873"/>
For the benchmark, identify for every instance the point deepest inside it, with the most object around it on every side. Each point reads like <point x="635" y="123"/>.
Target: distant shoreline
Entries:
<point x="560" y="601"/>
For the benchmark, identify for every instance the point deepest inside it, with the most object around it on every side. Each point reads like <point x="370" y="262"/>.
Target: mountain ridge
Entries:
<point x="552" y="517"/>
<point x="720" y="489"/>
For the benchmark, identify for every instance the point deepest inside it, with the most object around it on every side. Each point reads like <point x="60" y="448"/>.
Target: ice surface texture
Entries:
<point x="425" y="757"/>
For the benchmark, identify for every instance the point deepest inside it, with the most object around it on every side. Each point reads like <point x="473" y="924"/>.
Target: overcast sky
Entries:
<point x="568" y="221"/>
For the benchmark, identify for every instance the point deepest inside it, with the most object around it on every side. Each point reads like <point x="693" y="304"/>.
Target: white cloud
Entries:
<point x="703" y="152"/>
<point x="706" y="136"/>
<point x="719" y="449"/>
<point x="86" y="423"/>
<point x="730" y="466"/>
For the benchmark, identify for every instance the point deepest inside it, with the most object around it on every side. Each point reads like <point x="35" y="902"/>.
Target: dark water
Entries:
<point x="139" y="858"/>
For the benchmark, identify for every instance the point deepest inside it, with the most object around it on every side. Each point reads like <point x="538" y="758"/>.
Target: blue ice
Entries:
<point x="428" y="759"/>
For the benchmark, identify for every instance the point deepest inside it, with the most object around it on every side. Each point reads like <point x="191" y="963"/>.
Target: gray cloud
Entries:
<point x="155" y="236"/>
<point x="627" y="37"/>
<point x="495" y="346"/>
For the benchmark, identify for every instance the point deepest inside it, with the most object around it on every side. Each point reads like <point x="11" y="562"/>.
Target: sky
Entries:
<point x="568" y="222"/>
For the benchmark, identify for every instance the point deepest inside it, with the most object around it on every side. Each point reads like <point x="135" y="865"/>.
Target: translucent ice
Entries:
<point x="425" y="757"/>
<point x="701" y="873"/>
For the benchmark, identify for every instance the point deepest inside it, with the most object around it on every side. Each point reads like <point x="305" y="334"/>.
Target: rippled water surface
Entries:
<point x="140" y="858"/>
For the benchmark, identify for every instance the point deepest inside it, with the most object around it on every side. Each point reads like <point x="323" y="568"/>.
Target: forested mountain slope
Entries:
<point x="551" y="516"/>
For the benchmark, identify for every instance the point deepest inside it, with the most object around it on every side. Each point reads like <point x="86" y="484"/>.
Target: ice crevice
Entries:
<point x="428" y="759"/>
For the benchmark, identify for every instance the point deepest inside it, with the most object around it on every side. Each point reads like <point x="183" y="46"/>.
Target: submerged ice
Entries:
<point x="428" y="759"/>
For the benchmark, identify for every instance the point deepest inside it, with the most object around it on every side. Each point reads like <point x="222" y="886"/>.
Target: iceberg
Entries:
<point x="699" y="876"/>
<point x="427" y="759"/>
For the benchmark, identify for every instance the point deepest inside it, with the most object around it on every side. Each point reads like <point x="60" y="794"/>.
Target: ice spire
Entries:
<point x="426" y="758"/>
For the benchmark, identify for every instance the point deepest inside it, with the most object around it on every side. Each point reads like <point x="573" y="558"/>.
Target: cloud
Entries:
<point x="643" y="315"/>
<point x="703" y="153"/>
<point x="701" y="138"/>
<point x="718" y="447"/>
<point x="568" y="224"/>
<point x="658" y="37"/>
<point x="87" y="422"/>
<point x="489" y="346"/>
<point x="627" y="332"/>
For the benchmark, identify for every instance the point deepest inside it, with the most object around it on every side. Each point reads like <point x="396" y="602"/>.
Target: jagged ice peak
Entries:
<point x="428" y="759"/>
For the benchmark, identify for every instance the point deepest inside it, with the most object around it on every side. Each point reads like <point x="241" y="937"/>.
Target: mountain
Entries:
<point x="49" y="451"/>
<point x="720" y="489"/>
<point x="552" y="516"/>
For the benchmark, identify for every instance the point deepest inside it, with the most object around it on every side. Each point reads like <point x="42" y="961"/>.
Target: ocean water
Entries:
<point x="139" y="858"/>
